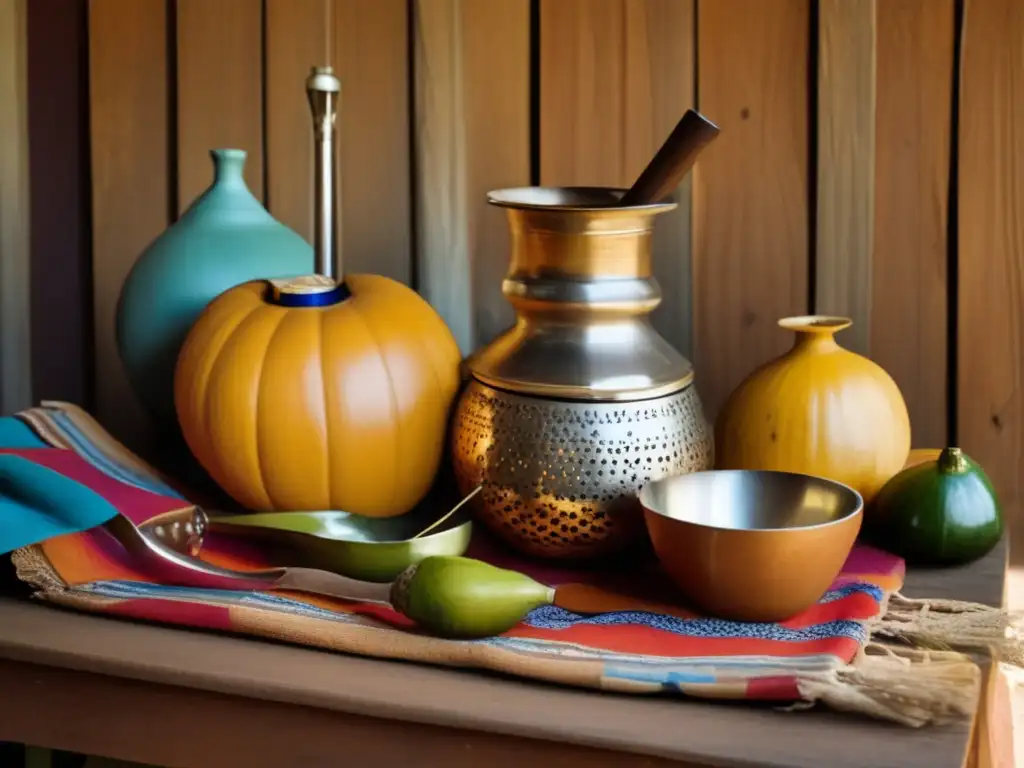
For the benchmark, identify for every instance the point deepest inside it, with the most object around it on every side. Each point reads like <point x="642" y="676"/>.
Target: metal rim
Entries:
<point x="855" y="510"/>
<point x="583" y="394"/>
<point x="517" y="198"/>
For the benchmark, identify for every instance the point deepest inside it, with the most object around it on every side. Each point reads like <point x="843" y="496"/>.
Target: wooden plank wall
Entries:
<point x="15" y="329"/>
<point x="868" y="165"/>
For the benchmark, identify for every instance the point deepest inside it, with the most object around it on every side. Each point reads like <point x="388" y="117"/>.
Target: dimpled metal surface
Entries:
<point x="560" y="478"/>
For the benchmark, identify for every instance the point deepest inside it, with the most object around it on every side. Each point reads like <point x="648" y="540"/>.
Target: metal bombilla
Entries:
<point x="323" y="90"/>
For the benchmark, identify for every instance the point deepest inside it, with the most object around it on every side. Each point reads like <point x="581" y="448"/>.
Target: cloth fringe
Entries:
<point x="954" y="624"/>
<point x="905" y="685"/>
<point x="32" y="568"/>
<point x="915" y="669"/>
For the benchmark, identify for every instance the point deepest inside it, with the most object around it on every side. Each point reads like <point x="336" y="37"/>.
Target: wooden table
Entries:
<point x="173" y="697"/>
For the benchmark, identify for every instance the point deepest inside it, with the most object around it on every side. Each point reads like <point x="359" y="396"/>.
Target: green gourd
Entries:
<point x="461" y="597"/>
<point x="940" y="512"/>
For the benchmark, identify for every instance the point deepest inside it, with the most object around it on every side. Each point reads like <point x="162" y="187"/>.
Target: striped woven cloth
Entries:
<point x="646" y="644"/>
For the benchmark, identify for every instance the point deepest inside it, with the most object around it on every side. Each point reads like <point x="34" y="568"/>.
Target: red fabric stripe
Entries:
<point x="137" y="504"/>
<point x="773" y="689"/>
<point x="654" y="642"/>
<point x="636" y="639"/>
<point x="174" y="612"/>
<point x="857" y="606"/>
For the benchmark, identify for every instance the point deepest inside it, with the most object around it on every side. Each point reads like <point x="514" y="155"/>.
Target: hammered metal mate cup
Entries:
<point x="570" y="412"/>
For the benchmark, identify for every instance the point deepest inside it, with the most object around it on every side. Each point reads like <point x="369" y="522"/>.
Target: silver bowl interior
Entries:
<point x="751" y="500"/>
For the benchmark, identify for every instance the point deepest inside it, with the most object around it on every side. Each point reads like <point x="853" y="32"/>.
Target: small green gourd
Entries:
<point x="940" y="512"/>
<point x="459" y="597"/>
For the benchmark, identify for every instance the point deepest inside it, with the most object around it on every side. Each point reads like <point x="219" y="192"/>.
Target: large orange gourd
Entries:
<point x="319" y="392"/>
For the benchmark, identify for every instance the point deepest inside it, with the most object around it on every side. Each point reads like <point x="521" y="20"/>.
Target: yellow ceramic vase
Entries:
<point x="818" y="410"/>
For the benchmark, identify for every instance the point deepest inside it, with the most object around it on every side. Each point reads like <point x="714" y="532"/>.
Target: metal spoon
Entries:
<point x="450" y="596"/>
<point x="169" y="566"/>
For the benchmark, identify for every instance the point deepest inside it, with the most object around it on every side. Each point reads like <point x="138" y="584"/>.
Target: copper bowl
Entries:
<point x="752" y="545"/>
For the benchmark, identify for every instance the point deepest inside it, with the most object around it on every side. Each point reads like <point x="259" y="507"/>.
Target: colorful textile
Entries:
<point x="38" y="503"/>
<point x="42" y="493"/>
<point x="645" y="643"/>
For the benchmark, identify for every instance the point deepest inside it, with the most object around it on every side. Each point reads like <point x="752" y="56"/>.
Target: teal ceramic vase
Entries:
<point x="225" y="238"/>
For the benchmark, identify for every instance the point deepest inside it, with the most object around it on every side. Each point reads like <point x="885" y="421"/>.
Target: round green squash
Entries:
<point x="940" y="512"/>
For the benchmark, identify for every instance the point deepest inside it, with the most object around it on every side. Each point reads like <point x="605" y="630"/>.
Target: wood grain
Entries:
<point x="369" y="53"/>
<point x="990" y="329"/>
<point x="296" y="42"/>
<point x="582" y="93"/>
<point x="130" y="190"/>
<point x="58" y="150"/>
<point x="616" y="76"/>
<point x="219" y="90"/>
<point x="15" y="331"/>
<point x="846" y="165"/>
<point x="472" y="102"/>
<point x="913" y="138"/>
<point x="750" y="215"/>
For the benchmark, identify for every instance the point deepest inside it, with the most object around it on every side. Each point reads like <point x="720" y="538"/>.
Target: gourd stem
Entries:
<point x="952" y="461"/>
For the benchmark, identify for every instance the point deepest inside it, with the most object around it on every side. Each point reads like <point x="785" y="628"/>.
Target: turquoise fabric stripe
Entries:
<point x="15" y="433"/>
<point x="37" y="503"/>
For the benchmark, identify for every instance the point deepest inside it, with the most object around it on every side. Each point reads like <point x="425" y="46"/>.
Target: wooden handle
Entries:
<point x="676" y="157"/>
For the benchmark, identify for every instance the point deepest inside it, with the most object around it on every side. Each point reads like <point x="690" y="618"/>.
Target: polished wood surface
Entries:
<point x="281" y="677"/>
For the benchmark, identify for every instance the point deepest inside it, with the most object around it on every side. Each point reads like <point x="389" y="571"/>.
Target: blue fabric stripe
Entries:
<point x="553" y="617"/>
<point x="657" y="676"/>
<point x="738" y="664"/>
<point x="105" y="463"/>
<point x="129" y="590"/>
<point x="873" y="591"/>
<point x="82" y="445"/>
